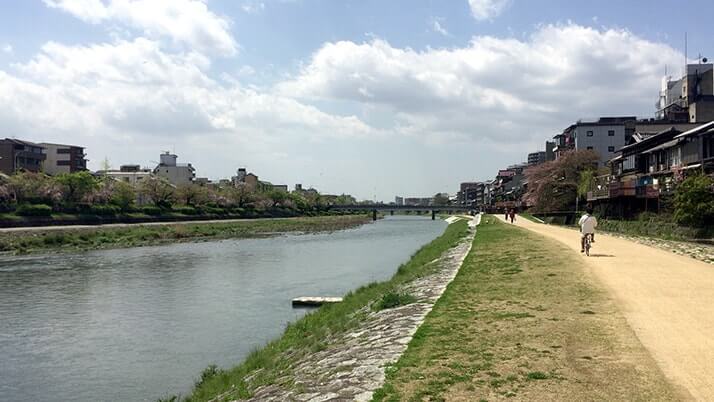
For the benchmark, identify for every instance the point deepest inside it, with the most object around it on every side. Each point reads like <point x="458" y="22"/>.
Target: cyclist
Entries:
<point x="587" y="223"/>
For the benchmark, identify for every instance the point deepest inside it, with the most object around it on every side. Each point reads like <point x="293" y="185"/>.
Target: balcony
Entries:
<point x="600" y="188"/>
<point x="625" y="188"/>
<point x="647" y="191"/>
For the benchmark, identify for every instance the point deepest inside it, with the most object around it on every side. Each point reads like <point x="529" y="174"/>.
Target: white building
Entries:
<point x="175" y="173"/>
<point x="131" y="174"/>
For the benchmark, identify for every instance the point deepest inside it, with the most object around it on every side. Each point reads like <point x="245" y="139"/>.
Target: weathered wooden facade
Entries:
<point x="650" y="166"/>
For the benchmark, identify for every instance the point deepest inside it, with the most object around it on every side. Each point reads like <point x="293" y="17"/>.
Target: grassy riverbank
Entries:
<point x="521" y="320"/>
<point x="77" y="239"/>
<point x="272" y="364"/>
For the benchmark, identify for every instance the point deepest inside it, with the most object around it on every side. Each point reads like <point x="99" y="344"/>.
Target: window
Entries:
<point x="63" y="163"/>
<point x="611" y="149"/>
<point x="590" y="148"/>
<point x="610" y="133"/>
<point x="62" y="150"/>
<point x="590" y="134"/>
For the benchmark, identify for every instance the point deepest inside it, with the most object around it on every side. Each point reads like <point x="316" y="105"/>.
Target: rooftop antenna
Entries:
<point x="685" y="52"/>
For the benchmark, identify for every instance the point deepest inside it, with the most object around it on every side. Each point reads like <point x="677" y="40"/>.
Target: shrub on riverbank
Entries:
<point x="694" y="201"/>
<point x="271" y="364"/>
<point x="393" y="299"/>
<point x="34" y="210"/>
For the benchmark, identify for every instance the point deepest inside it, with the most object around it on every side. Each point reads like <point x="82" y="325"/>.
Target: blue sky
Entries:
<point x="373" y="98"/>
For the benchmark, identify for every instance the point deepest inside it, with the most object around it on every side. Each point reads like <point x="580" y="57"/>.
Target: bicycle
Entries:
<point x="588" y="243"/>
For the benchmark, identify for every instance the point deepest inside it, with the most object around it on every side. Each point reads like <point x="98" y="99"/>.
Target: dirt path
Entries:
<point x="667" y="299"/>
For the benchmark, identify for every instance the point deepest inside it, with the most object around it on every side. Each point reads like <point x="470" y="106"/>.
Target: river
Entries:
<point x="137" y="324"/>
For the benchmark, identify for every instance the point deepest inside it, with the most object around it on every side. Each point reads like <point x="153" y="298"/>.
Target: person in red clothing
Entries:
<point x="513" y="214"/>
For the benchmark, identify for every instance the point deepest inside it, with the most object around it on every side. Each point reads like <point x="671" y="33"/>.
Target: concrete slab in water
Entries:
<point x="313" y="301"/>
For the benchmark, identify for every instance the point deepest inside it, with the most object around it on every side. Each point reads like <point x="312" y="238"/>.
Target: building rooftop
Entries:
<point x="22" y="142"/>
<point x="61" y="145"/>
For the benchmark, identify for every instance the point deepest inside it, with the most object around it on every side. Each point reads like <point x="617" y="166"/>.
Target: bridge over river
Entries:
<point x="434" y="209"/>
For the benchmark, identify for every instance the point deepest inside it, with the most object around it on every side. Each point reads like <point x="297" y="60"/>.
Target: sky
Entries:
<point x="372" y="98"/>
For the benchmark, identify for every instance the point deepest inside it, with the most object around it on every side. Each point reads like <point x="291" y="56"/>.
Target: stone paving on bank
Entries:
<point x="352" y="366"/>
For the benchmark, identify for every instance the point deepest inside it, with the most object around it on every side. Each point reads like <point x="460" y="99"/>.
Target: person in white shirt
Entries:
<point x="587" y="223"/>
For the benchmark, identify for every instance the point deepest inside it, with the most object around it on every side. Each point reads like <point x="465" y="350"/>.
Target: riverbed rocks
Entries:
<point x="352" y="366"/>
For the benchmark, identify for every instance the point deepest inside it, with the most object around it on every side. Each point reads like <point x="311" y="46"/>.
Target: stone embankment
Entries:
<point x="352" y="366"/>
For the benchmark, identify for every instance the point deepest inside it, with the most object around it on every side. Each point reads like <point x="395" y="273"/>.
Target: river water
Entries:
<point x="140" y="323"/>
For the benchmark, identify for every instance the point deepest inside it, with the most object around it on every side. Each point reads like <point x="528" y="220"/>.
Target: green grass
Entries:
<point x="75" y="239"/>
<point x="394" y="299"/>
<point x="510" y="326"/>
<point x="272" y="363"/>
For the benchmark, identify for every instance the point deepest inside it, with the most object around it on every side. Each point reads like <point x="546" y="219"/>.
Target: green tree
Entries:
<point x="276" y="198"/>
<point x="587" y="177"/>
<point x="159" y="191"/>
<point x="123" y="195"/>
<point x="77" y="185"/>
<point x="106" y="165"/>
<point x="241" y="196"/>
<point x="314" y="199"/>
<point x="299" y="202"/>
<point x="5" y="192"/>
<point x="694" y="201"/>
<point x="34" y="188"/>
<point x="441" y="199"/>
<point x="192" y="194"/>
<point x="345" y="199"/>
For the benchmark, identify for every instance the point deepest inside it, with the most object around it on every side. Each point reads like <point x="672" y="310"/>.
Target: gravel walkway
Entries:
<point x="699" y="251"/>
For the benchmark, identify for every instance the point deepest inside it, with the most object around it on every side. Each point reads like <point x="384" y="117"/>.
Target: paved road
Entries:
<point x="667" y="299"/>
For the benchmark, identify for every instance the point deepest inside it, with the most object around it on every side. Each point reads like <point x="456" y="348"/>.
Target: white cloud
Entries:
<point x="436" y="27"/>
<point x="505" y="90"/>
<point x="252" y="7"/>
<point x="187" y="22"/>
<point x="133" y="91"/>
<point x="487" y="9"/>
<point x="130" y="98"/>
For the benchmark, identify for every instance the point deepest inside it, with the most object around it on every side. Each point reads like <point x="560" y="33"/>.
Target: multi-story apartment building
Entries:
<point x="690" y="98"/>
<point x="605" y="135"/>
<point x="175" y="173"/>
<point x="468" y="192"/>
<point x="536" y="158"/>
<point x="63" y="158"/>
<point x="18" y="155"/>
